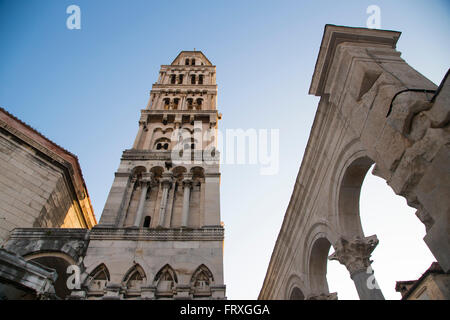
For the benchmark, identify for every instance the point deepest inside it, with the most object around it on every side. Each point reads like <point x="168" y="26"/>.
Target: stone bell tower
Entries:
<point x="160" y="235"/>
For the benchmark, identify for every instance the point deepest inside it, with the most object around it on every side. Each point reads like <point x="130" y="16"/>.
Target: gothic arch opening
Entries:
<point x="97" y="280"/>
<point x="165" y="282"/>
<point x="201" y="281"/>
<point x="133" y="280"/>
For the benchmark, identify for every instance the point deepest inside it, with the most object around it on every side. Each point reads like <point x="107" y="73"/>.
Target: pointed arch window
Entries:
<point x="133" y="280"/>
<point x="193" y="79"/>
<point x="200" y="79"/>
<point x="97" y="280"/>
<point x="201" y="281"/>
<point x="165" y="282"/>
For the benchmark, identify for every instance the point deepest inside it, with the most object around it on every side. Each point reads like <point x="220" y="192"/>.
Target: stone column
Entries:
<point x="187" y="184"/>
<point x="144" y="188"/>
<point x="166" y="181"/>
<point x="355" y="255"/>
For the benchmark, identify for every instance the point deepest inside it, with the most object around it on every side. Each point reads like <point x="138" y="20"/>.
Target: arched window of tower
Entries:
<point x="147" y="221"/>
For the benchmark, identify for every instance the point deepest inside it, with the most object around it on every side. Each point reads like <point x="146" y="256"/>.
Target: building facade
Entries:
<point x="41" y="186"/>
<point x="160" y="234"/>
<point x="374" y="109"/>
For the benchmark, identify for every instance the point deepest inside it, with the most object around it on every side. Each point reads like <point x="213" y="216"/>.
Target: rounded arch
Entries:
<point x="296" y="294"/>
<point x="317" y="246"/>
<point x="178" y="171"/>
<point x="197" y="172"/>
<point x="295" y="282"/>
<point x="349" y="193"/>
<point x="162" y="144"/>
<point x="138" y="170"/>
<point x="317" y="269"/>
<point x="59" y="262"/>
<point x="157" y="171"/>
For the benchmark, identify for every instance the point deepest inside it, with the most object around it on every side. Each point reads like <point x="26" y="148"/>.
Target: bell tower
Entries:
<point x="160" y="233"/>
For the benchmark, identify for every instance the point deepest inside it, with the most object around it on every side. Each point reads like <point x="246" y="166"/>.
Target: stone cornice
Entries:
<point x="178" y="234"/>
<point x="49" y="233"/>
<point x="182" y="112"/>
<point x="99" y="232"/>
<point x="184" y="87"/>
<point x="333" y="36"/>
<point x="184" y="67"/>
<point x="135" y="154"/>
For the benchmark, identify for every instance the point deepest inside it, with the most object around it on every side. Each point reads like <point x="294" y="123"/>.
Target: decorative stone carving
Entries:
<point x="354" y="253"/>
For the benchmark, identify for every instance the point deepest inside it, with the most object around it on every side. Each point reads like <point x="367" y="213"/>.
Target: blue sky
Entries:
<point x="84" y="88"/>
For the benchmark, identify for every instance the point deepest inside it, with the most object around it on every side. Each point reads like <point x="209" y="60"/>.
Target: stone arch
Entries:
<point x="134" y="279"/>
<point x="137" y="171"/>
<point x="317" y="268"/>
<point x="201" y="281"/>
<point x="162" y="144"/>
<point x="157" y="171"/>
<point x="58" y="261"/>
<point x="295" y="282"/>
<point x="349" y="190"/>
<point x="317" y="244"/>
<point x="296" y="294"/>
<point x="178" y="171"/>
<point x="97" y="280"/>
<point x="165" y="282"/>
<point x="197" y="172"/>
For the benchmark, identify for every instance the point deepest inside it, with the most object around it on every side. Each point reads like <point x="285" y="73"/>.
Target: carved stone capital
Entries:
<point x="187" y="180"/>
<point x="146" y="179"/>
<point x="167" y="178"/>
<point x="354" y="253"/>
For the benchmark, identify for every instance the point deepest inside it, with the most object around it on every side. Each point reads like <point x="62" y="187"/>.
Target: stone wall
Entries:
<point x="38" y="187"/>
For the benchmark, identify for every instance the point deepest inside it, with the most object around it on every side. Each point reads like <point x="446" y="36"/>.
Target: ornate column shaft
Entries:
<point x="166" y="181"/>
<point x="187" y="184"/>
<point x="144" y="188"/>
<point x="355" y="255"/>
